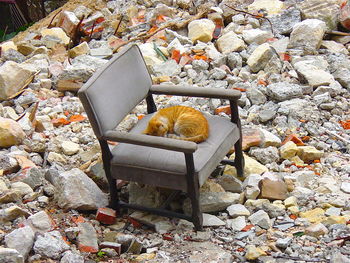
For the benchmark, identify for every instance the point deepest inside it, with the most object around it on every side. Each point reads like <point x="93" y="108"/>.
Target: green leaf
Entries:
<point x="299" y="234"/>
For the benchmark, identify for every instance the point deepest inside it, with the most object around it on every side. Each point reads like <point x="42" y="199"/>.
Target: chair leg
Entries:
<point x="197" y="216"/>
<point x="113" y="194"/>
<point x="239" y="159"/>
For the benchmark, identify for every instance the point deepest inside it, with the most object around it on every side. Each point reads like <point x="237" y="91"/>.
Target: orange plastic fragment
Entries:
<point x="140" y="117"/>
<point x="303" y="121"/>
<point x="60" y="121"/>
<point x="240" y="89"/>
<point x="78" y="219"/>
<point x="224" y="109"/>
<point x="198" y="57"/>
<point x="262" y="82"/>
<point x="294" y="138"/>
<point x="317" y="161"/>
<point x="293" y="217"/>
<point x="345" y="124"/>
<point x="160" y="18"/>
<point x="247" y="228"/>
<point x="77" y="118"/>
<point x="66" y="113"/>
<point x="240" y="249"/>
<point x="153" y="28"/>
<point x="175" y="54"/>
<point x="305" y="138"/>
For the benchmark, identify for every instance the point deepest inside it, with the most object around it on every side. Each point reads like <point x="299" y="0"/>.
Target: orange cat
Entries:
<point x="179" y="122"/>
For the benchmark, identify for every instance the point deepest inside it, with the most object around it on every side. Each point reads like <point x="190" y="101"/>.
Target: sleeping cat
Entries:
<point x="179" y="122"/>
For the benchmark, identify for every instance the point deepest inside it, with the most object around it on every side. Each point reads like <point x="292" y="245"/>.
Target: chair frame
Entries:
<point x="171" y="144"/>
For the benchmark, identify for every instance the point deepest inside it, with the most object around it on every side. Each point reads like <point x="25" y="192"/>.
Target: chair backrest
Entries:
<point x="113" y="91"/>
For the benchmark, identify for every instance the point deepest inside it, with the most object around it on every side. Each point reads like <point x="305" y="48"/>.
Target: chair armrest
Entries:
<point x="151" y="141"/>
<point x="190" y="91"/>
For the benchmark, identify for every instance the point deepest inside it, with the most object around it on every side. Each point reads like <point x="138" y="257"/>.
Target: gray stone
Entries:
<point x="13" y="55"/>
<point x="312" y="74"/>
<point x="265" y="155"/>
<point x="87" y="236"/>
<point x="284" y="22"/>
<point x="199" y="65"/>
<point x="333" y="211"/>
<point x="282" y="91"/>
<point x="234" y="60"/>
<point x="213" y="201"/>
<point x="230" y="183"/>
<point x="10" y="255"/>
<point x="50" y="245"/>
<point x="167" y="68"/>
<point x="217" y="73"/>
<point x="161" y="224"/>
<point x="307" y="34"/>
<point x="337" y="257"/>
<point x="70" y="257"/>
<point x="21" y="239"/>
<point x="145" y="195"/>
<point x="284" y="242"/>
<point x="11" y="213"/>
<point x="343" y="76"/>
<point x="260" y="218"/>
<point x="211" y="220"/>
<point x="251" y="186"/>
<point x="84" y="196"/>
<point x="256" y="96"/>
<point x="34" y="177"/>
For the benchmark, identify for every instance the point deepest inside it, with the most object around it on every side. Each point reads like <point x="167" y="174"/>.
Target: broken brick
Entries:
<point x="294" y="138"/>
<point x="106" y="215"/>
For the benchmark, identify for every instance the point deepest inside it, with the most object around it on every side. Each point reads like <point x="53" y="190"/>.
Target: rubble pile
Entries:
<point x="293" y="69"/>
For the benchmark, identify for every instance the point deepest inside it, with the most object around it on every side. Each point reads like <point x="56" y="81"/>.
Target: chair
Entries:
<point x="112" y="92"/>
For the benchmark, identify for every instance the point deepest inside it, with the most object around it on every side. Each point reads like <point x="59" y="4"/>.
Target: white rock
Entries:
<point x="251" y="186"/>
<point x="50" y="245"/>
<point x="316" y="230"/>
<point x="22" y="188"/>
<point x="8" y="45"/>
<point x="272" y="7"/>
<point x="345" y="187"/>
<point x="314" y="76"/>
<point x="260" y="218"/>
<point x="237" y="224"/>
<point x="57" y="32"/>
<point x="238" y="210"/>
<point x="149" y="54"/>
<point x="40" y="222"/>
<point x="269" y="139"/>
<point x="11" y="133"/>
<point x="260" y="57"/>
<point x="308" y="33"/>
<point x="70" y="148"/>
<point x="21" y="239"/>
<point x="211" y="220"/>
<point x="230" y="42"/>
<point x="201" y="29"/>
<point x="10" y="255"/>
<point x="257" y="36"/>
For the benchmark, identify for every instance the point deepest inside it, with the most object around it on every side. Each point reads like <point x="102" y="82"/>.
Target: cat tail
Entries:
<point x="197" y="138"/>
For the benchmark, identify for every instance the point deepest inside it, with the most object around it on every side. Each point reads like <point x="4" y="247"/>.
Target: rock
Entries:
<point x="337" y="257"/>
<point x="251" y="166"/>
<point x="70" y="148"/>
<point x="290" y="201"/>
<point x="40" y="222"/>
<point x="13" y="55"/>
<point x="207" y="252"/>
<point x="213" y="202"/>
<point x="11" y="213"/>
<point x="331" y="220"/>
<point x="314" y="216"/>
<point x="282" y="91"/>
<point x="87" y="238"/>
<point x="251" y="137"/>
<point x="146" y="195"/>
<point x="273" y="189"/>
<point x="50" y="245"/>
<point x="9" y="197"/>
<point x="333" y="211"/>
<point x="343" y="76"/>
<point x="316" y="230"/>
<point x="251" y="186"/>
<point x="326" y="11"/>
<point x="10" y="255"/>
<point x="256" y="36"/>
<point x="344" y="16"/>
<point x="309" y="153"/>
<point x="70" y="257"/>
<point x="283" y="23"/>
<point x="230" y="183"/>
<point x="161" y="224"/>
<point x="260" y="218"/>
<point x="255" y="96"/>
<point x="13" y="77"/>
<point x="68" y="22"/>
<point x="211" y="220"/>
<point x="253" y="252"/>
<point x="236" y="210"/>
<point x="211" y="186"/>
<point x="260" y="57"/>
<point x="85" y="196"/>
<point x="7" y="46"/>
<point x="312" y="74"/>
<point x="307" y="34"/>
<point x="21" y="239"/>
<point x="288" y="150"/>
<point x="56" y="32"/>
<point x="135" y="247"/>
<point x="265" y="155"/>
<point x="345" y="187"/>
<point x="284" y="242"/>
<point x="167" y="68"/>
<point x="230" y="42"/>
<point x="201" y="30"/>
<point x="101" y="52"/>
<point x="237" y="224"/>
<point x="32" y="176"/>
<point x="334" y="46"/>
<point x="81" y="49"/>
<point x="149" y="54"/>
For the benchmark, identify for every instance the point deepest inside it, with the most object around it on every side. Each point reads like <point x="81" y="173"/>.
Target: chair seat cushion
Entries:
<point x="166" y="168"/>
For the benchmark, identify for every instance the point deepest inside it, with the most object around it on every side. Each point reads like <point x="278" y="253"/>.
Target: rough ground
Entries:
<point x="293" y="70"/>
